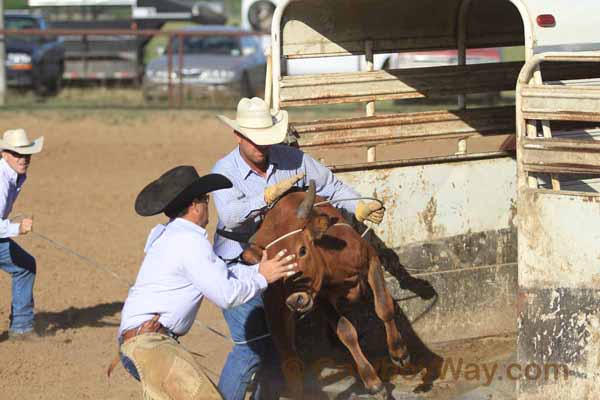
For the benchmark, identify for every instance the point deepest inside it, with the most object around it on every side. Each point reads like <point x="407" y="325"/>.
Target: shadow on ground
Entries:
<point x="48" y="323"/>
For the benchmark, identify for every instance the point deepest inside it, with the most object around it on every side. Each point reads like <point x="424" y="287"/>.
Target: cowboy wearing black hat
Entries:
<point x="178" y="271"/>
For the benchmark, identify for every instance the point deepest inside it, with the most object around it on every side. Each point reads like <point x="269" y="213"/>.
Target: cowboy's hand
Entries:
<point x="277" y="267"/>
<point x="273" y="192"/>
<point x="26" y="226"/>
<point x="372" y="211"/>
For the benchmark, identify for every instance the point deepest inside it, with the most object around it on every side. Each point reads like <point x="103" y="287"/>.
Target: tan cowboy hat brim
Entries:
<point x="262" y="136"/>
<point x="33" y="148"/>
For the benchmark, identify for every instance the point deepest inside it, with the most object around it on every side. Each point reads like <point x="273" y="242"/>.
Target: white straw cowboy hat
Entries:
<point x="255" y="121"/>
<point x="16" y="140"/>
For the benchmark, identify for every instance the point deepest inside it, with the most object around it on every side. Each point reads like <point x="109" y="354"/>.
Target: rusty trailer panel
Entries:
<point x="397" y="84"/>
<point x="411" y="138"/>
<point x="550" y="254"/>
<point x="431" y="202"/>
<point x="559" y="279"/>
<point x="414" y="83"/>
<point x="559" y="292"/>
<point x="406" y="125"/>
<point x="572" y="103"/>
<point x="454" y="227"/>
<point x="561" y="156"/>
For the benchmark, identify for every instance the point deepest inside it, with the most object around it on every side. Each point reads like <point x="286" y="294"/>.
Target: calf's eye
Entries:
<point x="302" y="251"/>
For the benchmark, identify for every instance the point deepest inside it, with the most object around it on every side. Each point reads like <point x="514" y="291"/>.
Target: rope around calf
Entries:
<point x="353" y="199"/>
<point x="95" y="264"/>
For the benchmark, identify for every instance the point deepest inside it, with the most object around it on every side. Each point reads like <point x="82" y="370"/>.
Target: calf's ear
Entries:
<point x="252" y="255"/>
<point x="319" y="225"/>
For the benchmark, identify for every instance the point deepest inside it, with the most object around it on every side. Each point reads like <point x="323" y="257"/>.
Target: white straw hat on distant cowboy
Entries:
<point x="16" y="140"/>
<point x="255" y="121"/>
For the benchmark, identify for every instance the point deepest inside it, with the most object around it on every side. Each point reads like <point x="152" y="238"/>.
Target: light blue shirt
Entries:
<point x="10" y="187"/>
<point x="237" y="206"/>
<point x="179" y="270"/>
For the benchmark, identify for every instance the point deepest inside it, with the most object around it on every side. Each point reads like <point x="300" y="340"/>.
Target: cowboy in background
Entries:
<point x="178" y="271"/>
<point x="17" y="150"/>
<point x="262" y="170"/>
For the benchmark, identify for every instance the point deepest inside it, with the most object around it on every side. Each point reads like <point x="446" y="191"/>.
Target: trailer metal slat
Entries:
<point x="358" y="87"/>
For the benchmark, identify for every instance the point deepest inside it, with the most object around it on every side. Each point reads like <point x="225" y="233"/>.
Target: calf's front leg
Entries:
<point x="282" y="324"/>
<point x="348" y="336"/>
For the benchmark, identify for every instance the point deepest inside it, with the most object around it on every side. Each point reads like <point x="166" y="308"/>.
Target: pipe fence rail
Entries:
<point x="173" y="80"/>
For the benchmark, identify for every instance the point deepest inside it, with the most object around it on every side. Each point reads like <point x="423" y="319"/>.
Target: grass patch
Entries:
<point x="15" y="4"/>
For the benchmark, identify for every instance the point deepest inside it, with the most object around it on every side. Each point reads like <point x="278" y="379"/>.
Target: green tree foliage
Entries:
<point x="15" y="4"/>
<point x="234" y="10"/>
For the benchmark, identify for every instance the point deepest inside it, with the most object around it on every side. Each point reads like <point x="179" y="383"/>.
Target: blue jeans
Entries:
<point x="245" y="322"/>
<point x="21" y="265"/>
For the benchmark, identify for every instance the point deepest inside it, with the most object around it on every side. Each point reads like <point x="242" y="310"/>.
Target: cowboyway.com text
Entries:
<point x="455" y="369"/>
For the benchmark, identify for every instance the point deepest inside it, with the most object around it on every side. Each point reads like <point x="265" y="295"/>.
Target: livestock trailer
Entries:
<point x="495" y="207"/>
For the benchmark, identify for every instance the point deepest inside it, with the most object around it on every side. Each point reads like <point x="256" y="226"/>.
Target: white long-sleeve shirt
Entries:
<point x="179" y="270"/>
<point x="10" y="187"/>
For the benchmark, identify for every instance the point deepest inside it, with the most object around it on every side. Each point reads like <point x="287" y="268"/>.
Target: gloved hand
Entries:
<point x="372" y="211"/>
<point x="273" y="192"/>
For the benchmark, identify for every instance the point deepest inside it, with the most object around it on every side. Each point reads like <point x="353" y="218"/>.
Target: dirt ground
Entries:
<point x="81" y="191"/>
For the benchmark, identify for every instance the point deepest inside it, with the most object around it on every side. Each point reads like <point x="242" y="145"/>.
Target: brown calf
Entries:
<point x="336" y="266"/>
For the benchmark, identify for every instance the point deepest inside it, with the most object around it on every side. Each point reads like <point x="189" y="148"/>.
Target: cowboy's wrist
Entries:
<point x="14" y="229"/>
<point x="260" y="279"/>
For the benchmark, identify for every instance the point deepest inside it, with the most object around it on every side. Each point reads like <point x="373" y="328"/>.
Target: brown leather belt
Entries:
<point x="151" y="326"/>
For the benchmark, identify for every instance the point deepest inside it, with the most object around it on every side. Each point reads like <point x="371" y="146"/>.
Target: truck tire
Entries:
<point x="50" y="87"/>
<point x="260" y="15"/>
<point x="53" y="88"/>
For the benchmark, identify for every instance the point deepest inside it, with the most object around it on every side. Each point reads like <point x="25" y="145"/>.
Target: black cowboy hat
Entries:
<point x="175" y="189"/>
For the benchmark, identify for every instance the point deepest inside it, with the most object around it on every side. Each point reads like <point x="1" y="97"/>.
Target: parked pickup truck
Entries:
<point x="96" y="57"/>
<point x="36" y="62"/>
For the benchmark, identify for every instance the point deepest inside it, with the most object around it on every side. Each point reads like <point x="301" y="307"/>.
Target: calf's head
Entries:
<point x="293" y="225"/>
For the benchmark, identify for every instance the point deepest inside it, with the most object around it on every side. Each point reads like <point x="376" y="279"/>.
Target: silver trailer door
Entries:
<point x="558" y="233"/>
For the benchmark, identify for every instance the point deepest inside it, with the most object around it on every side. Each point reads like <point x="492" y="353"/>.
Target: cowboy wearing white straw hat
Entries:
<point x="261" y="170"/>
<point x="17" y="150"/>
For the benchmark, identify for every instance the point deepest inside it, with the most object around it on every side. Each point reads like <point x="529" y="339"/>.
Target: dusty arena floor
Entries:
<point x="81" y="191"/>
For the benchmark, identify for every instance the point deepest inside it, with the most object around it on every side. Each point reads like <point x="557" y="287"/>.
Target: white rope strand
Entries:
<point x="95" y="264"/>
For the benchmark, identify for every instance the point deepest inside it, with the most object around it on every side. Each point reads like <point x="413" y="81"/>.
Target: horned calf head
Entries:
<point x="303" y="226"/>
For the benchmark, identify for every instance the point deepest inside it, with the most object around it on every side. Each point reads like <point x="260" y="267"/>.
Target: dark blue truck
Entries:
<point x="35" y="62"/>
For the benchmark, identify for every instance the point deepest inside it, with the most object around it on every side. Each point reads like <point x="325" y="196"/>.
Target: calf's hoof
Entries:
<point x="379" y="392"/>
<point x="423" y="388"/>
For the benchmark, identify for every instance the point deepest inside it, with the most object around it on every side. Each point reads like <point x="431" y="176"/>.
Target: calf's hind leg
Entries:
<point x="384" y="307"/>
